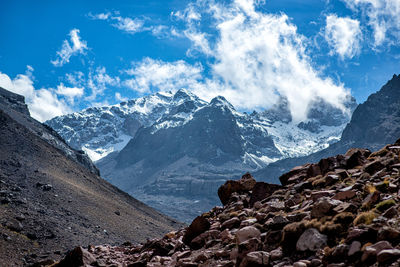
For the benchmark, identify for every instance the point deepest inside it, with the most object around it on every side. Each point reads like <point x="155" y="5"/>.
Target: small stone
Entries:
<point x="14" y="225"/>
<point x="255" y="258"/>
<point x="388" y="255"/>
<point x="323" y="207"/>
<point x="355" y="247"/>
<point x="247" y="233"/>
<point x="388" y="233"/>
<point x="231" y="223"/>
<point x="345" y="195"/>
<point x="276" y="254"/>
<point x="299" y="264"/>
<point x="47" y="187"/>
<point x="371" y="252"/>
<point x="390" y="213"/>
<point x="311" y="240"/>
<point x="316" y="263"/>
<point x="371" y="199"/>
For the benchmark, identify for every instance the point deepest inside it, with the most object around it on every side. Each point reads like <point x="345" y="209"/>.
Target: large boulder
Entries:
<point x="243" y="185"/>
<point x="261" y="191"/>
<point x="76" y="258"/>
<point x="198" y="226"/>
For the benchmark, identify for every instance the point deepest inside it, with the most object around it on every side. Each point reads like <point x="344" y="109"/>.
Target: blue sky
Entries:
<point x="68" y="55"/>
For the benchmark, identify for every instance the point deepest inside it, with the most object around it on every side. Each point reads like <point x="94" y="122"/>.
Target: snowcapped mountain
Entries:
<point x="100" y="131"/>
<point x="174" y="148"/>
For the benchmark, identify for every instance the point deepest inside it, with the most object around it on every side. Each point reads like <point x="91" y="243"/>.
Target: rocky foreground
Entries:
<point x="342" y="211"/>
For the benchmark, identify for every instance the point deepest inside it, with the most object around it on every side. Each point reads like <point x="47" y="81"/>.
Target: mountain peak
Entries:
<point x="184" y="94"/>
<point x="221" y="101"/>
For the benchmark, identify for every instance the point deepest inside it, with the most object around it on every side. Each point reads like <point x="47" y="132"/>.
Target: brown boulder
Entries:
<point x="247" y="181"/>
<point x="76" y="258"/>
<point x="324" y="206"/>
<point x="230" y="186"/>
<point x="298" y="172"/>
<point x="345" y="195"/>
<point x="256" y="259"/>
<point x="197" y="227"/>
<point x="373" y="167"/>
<point x="356" y="157"/>
<point x="261" y="191"/>
<point x="243" y="185"/>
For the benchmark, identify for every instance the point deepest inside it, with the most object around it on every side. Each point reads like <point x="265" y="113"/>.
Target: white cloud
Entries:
<point x="100" y="16"/>
<point x="97" y="81"/>
<point x="69" y="92"/>
<point x="70" y="48"/>
<point x="255" y="58"/>
<point x="43" y="104"/>
<point x="152" y="75"/>
<point x="120" y="98"/>
<point x="126" y="24"/>
<point x="343" y="36"/>
<point x="383" y="16"/>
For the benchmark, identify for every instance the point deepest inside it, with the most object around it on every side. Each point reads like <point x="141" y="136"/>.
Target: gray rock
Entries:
<point x="311" y="240"/>
<point x="247" y="233"/>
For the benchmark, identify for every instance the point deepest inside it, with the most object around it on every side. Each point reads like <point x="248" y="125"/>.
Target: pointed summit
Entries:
<point x="221" y="101"/>
<point x="184" y="94"/>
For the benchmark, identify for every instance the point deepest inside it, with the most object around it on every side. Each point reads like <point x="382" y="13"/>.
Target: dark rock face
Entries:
<point x="14" y="101"/>
<point x="347" y="217"/>
<point x="14" y="105"/>
<point x="376" y="122"/>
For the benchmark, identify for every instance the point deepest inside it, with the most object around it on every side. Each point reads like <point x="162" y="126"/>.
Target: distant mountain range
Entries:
<point x="51" y="195"/>
<point x="171" y="149"/>
<point x="374" y="123"/>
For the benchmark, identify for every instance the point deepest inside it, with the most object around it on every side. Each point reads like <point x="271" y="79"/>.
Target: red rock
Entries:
<point x="197" y="227"/>
<point x="225" y="191"/>
<point x="255" y="259"/>
<point x="345" y="195"/>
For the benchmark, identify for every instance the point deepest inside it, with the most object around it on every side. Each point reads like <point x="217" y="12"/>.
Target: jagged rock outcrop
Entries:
<point x="341" y="211"/>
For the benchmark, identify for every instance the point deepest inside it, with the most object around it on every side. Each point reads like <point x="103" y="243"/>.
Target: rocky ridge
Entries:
<point x="49" y="199"/>
<point x="341" y="211"/>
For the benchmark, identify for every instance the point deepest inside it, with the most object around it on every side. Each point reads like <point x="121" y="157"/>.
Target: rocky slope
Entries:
<point x="51" y="196"/>
<point x="341" y="211"/>
<point x="183" y="148"/>
<point x="373" y="124"/>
